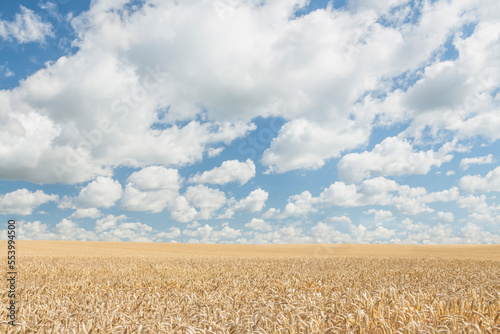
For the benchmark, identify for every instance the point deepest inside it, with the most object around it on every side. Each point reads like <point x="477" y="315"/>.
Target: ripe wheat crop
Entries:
<point x="255" y="295"/>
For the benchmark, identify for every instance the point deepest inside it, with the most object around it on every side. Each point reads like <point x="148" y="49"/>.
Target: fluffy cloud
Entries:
<point x="206" y="199"/>
<point x="198" y="202"/>
<point x="380" y="214"/>
<point x="229" y="171"/>
<point x="302" y="144"/>
<point x="151" y="189"/>
<point x="339" y="219"/>
<point x="299" y="205"/>
<point x="382" y="191"/>
<point x="392" y="156"/>
<point x="23" y="201"/>
<point x="139" y="71"/>
<point x="259" y="225"/>
<point x="109" y="228"/>
<point x="26" y="27"/>
<point x="86" y="213"/>
<point x="447" y="217"/>
<point x="209" y="235"/>
<point x="478" y="184"/>
<point x="174" y="232"/>
<point x="101" y="193"/>
<point x="466" y="162"/>
<point x="459" y="94"/>
<point x="254" y="202"/>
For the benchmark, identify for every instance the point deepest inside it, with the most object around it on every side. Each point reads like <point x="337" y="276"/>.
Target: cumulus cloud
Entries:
<point x="207" y="234"/>
<point x="380" y="214"/>
<point x="339" y="219"/>
<point x="384" y="192"/>
<point x="109" y="228"/>
<point x="467" y="162"/>
<point x="138" y="73"/>
<point x="447" y="217"/>
<point x="101" y="193"/>
<point x="393" y="156"/>
<point x="26" y="27"/>
<point x="86" y="213"/>
<point x="23" y="201"/>
<point x="151" y="189"/>
<point x="174" y="233"/>
<point x="254" y="202"/>
<point x="259" y="225"/>
<point x="229" y="171"/>
<point x="459" y="94"/>
<point x="299" y="205"/>
<point x="302" y="144"/>
<point x="198" y="202"/>
<point x="478" y="184"/>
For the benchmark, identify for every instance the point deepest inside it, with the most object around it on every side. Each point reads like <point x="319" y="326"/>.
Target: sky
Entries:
<point x="245" y="121"/>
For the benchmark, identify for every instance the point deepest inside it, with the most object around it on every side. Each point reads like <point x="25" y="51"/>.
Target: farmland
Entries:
<point x="92" y="287"/>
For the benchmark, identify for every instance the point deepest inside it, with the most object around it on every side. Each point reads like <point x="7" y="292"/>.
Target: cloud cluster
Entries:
<point x="392" y="156"/>
<point x="143" y="90"/>
<point x="23" y="201"/>
<point x="26" y="27"/>
<point x="229" y="171"/>
<point x="479" y="184"/>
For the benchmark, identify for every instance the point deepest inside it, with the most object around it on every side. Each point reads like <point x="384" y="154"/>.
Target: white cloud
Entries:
<point x="254" y="202"/>
<point x="68" y="230"/>
<point x="214" y="151"/>
<point x="101" y="193"/>
<point x="467" y="162"/>
<point x="151" y="189"/>
<point x="86" y="213"/>
<point x="206" y="200"/>
<point x="392" y="156"/>
<point x="35" y="231"/>
<point x="182" y="211"/>
<point x="447" y="217"/>
<point x="142" y="71"/>
<point x="207" y="234"/>
<point x="272" y="212"/>
<point x="339" y="219"/>
<point x="193" y="224"/>
<point x="299" y="205"/>
<point x="174" y="233"/>
<point x="478" y="184"/>
<point x="23" y="201"/>
<point x="385" y="192"/>
<point x="302" y="144"/>
<point x="108" y="222"/>
<point x="229" y="171"/>
<point x="109" y="228"/>
<point x="259" y="225"/>
<point x="459" y="94"/>
<point x="326" y="233"/>
<point x="26" y="27"/>
<point x="380" y="214"/>
<point x="475" y="234"/>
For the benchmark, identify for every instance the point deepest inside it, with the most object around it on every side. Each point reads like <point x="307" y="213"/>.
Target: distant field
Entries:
<point x="97" y="287"/>
<point x="91" y="248"/>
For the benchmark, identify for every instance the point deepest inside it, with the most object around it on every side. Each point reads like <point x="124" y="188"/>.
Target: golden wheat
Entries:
<point x="256" y="295"/>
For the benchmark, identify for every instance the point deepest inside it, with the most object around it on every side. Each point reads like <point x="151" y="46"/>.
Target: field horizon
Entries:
<point x="106" y="249"/>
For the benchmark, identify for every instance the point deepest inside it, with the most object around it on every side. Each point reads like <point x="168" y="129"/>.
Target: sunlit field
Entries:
<point x="97" y="287"/>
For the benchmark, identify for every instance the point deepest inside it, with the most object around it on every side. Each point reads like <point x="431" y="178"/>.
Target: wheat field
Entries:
<point x="85" y="287"/>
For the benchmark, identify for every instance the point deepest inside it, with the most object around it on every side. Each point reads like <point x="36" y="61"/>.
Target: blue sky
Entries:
<point x="236" y="121"/>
